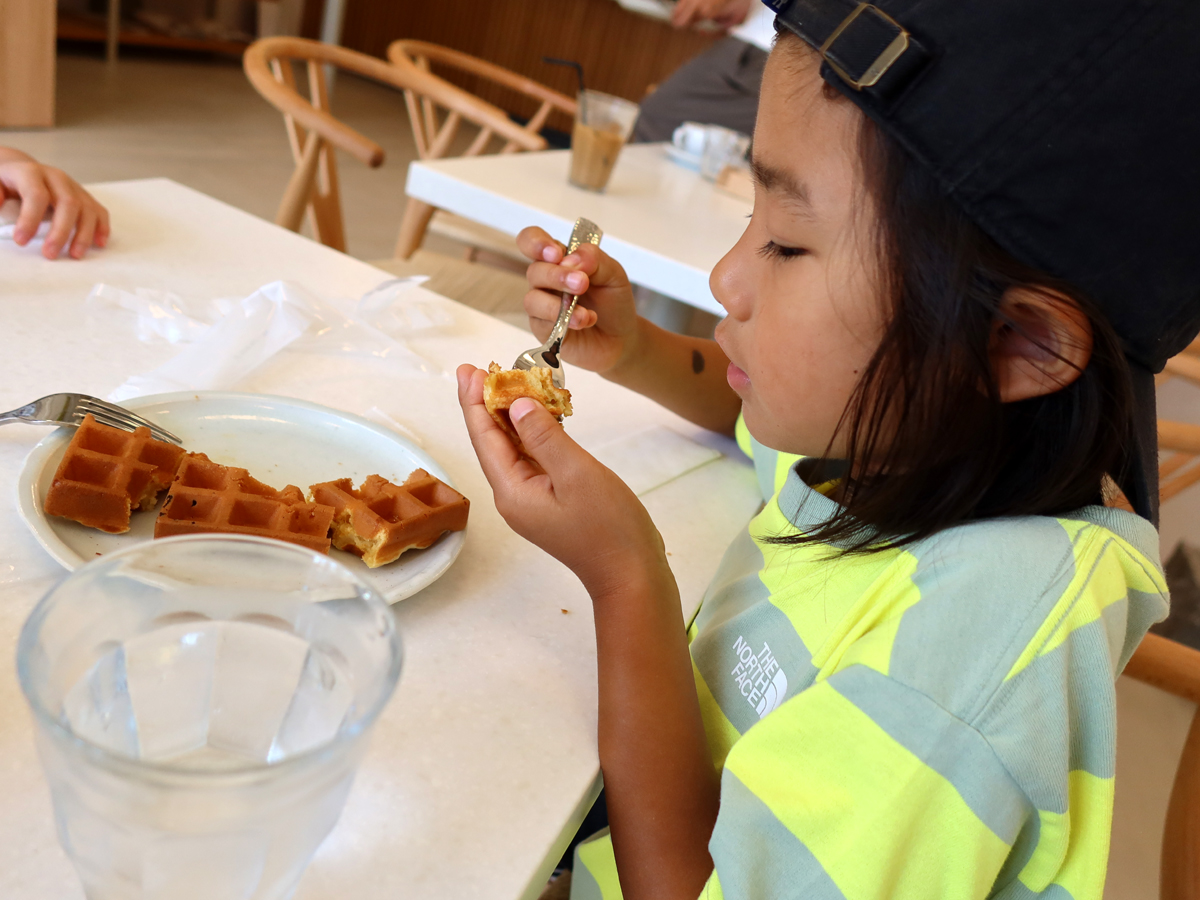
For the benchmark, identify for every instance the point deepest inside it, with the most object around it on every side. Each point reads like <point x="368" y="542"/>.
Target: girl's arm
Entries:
<point x="42" y="188"/>
<point x="659" y="779"/>
<point x="684" y="374"/>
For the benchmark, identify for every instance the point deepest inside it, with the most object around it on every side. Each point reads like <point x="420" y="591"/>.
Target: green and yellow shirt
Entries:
<point x="937" y="720"/>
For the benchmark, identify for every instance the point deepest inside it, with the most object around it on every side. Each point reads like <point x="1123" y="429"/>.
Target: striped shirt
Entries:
<point x="937" y="720"/>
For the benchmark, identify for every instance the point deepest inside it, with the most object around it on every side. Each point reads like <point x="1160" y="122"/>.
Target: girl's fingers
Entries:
<point x="536" y="244"/>
<point x="543" y="307"/>
<point x="602" y="270"/>
<point x="497" y="455"/>
<point x="550" y="277"/>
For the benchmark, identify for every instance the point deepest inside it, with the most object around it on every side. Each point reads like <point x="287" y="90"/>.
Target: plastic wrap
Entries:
<point x="224" y="340"/>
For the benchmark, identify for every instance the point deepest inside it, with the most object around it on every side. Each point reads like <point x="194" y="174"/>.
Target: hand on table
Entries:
<point x="570" y="505"/>
<point x="42" y="188"/>
<point x="726" y="13"/>
<point x="604" y="327"/>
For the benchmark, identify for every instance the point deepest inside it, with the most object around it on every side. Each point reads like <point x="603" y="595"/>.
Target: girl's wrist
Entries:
<point x="624" y="370"/>
<point x="618" y="580"/>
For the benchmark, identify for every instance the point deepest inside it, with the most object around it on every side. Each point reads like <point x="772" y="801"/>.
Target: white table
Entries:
<point x="482" y="764"/>
<point x="664" y="223"/>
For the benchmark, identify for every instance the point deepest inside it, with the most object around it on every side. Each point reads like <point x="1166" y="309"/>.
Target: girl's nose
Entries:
<point x="729" y="282"/>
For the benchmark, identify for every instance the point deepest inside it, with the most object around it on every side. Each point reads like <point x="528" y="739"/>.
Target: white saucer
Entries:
<point x="280" y="441"/>
<point x="683" y="158"/>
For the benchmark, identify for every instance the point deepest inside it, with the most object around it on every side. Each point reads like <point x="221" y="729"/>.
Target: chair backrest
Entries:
<point x="314" y="132"/>
<point x="1174" y="668"/>
<point x="436" y="107"/>
<point x="433" y="133"/>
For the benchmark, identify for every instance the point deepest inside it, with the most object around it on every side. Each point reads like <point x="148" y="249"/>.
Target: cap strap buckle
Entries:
<point x="862" y="34"/>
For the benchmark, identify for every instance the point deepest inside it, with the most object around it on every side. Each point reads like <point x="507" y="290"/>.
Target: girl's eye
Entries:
<point x="772" y="250"/>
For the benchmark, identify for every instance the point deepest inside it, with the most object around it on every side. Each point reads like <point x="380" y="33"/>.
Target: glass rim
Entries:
<point x="167" y="770"/>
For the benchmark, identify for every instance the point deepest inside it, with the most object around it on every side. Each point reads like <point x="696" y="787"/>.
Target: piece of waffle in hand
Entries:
<point x="207" y="497"/>
<point x="381" y="520"/>
<point x="503" y="386"/>
<point x="106" y="473"/>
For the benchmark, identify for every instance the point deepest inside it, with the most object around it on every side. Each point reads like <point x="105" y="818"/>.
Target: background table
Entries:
<point x="480" y="767"/>
<point x="666" y="224"/>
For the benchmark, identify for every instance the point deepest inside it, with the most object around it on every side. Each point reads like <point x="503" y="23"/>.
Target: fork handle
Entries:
<point x="20" y="414"/>
<point x="584" y="232"/>
<point x="559" y="331"/>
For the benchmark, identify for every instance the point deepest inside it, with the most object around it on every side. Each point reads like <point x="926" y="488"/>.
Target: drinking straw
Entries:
<point x="578" y="74"/>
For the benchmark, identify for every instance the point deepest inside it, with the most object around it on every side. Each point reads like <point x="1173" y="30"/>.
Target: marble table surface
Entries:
<point x="666" y="225"/>
<point x="484" y="761"/>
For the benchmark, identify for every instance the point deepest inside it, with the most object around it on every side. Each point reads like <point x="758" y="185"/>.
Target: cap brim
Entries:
<point x="1140" y="481"/>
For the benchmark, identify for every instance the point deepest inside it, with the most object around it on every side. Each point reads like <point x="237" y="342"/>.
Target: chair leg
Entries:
<point x="1181" y="837"/>
<point x="300" y="185"/>
<point x="412" y="227"/>
<point x="325" y="203"/>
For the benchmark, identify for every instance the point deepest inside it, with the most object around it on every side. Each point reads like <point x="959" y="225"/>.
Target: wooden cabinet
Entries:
<point x="622" y="53"/>
<point x="26" y="63"/>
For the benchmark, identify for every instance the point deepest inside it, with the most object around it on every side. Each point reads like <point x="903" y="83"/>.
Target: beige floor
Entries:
<point x="200" y="123"/>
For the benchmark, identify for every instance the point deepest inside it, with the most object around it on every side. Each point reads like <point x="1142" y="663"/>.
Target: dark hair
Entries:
<point x="926" y="411"/>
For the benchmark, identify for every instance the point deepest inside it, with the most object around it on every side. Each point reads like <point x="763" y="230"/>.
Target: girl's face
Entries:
<point x="805" y="310"/>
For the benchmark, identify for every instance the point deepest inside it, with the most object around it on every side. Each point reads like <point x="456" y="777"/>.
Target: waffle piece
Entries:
<point x="381" y="520"/>
<point x="207" y="497"/>
<point x="503" y="386"/>
<point x="106" y="473"/>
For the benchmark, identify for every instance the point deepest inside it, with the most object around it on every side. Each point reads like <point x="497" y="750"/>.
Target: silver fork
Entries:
<point x="69" y="409"/>
<point x="546" y="356"/>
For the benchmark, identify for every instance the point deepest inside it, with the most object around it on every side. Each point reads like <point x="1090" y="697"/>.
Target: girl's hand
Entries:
<point x="42" y="188"/>
<point x="567" y="503"/>
<point x="604" y="327"/>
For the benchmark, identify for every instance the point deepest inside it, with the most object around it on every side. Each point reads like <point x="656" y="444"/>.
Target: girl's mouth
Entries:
<point x="738" y="380"/>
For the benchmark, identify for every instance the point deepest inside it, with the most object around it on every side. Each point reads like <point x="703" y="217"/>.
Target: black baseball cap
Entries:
<point x="1068" y="130"/>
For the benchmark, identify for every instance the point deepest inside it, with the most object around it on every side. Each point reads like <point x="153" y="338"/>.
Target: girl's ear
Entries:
<point x="1041" y="342"/>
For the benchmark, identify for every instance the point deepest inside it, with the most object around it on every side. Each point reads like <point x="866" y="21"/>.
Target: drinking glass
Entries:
<point x="201" y="704"/>
<point x="602" y="126"/>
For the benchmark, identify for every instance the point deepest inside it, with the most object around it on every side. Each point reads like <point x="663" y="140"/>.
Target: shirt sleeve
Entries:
<point x="862" y="788"/>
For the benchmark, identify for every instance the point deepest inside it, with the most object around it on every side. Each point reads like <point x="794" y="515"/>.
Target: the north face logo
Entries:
<point x="758" y="677"/>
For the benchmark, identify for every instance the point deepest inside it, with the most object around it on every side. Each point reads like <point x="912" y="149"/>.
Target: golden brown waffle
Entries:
<point x="207" y="497"/>
<point x="503" y="386"/>
<point x="381" y="520"/>
<point x="106" y="473"/>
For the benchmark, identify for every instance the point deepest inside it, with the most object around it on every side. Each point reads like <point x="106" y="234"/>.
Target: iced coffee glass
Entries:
<point x="602" y="126"/>
<point x="201" y="704"/>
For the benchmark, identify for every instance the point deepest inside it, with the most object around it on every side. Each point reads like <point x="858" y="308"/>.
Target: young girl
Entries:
<point x="900" y="682"/>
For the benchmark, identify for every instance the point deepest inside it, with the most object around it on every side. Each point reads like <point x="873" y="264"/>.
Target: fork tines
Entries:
<point x="118" y="417"/>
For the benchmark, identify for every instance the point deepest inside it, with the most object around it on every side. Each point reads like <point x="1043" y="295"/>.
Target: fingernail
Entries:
<point x="520" y="408"/>
<point x="576" y="281"/>
<point x="572" y="260"/>
<point x="549" y="252"/>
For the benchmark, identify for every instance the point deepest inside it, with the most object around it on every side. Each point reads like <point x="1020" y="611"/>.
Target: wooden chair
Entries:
<point x="1181" y="469"/>
<point x="1174" y="668"/>
<point x="314" y="133"/>
<point x="434" y="116"/>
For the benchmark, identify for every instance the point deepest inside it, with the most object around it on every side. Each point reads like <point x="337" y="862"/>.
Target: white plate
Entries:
<point x="280" y="441"/>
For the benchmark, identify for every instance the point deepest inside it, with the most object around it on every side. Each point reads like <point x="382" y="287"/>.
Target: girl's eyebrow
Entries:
<point x="781" y="181"/>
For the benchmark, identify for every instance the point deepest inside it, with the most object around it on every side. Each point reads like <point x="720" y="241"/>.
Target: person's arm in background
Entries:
<point x="40" y="189"/>
<point x="726" y="13"/>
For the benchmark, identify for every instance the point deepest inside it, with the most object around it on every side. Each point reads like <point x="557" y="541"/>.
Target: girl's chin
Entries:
<point x="738" y="380"/>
